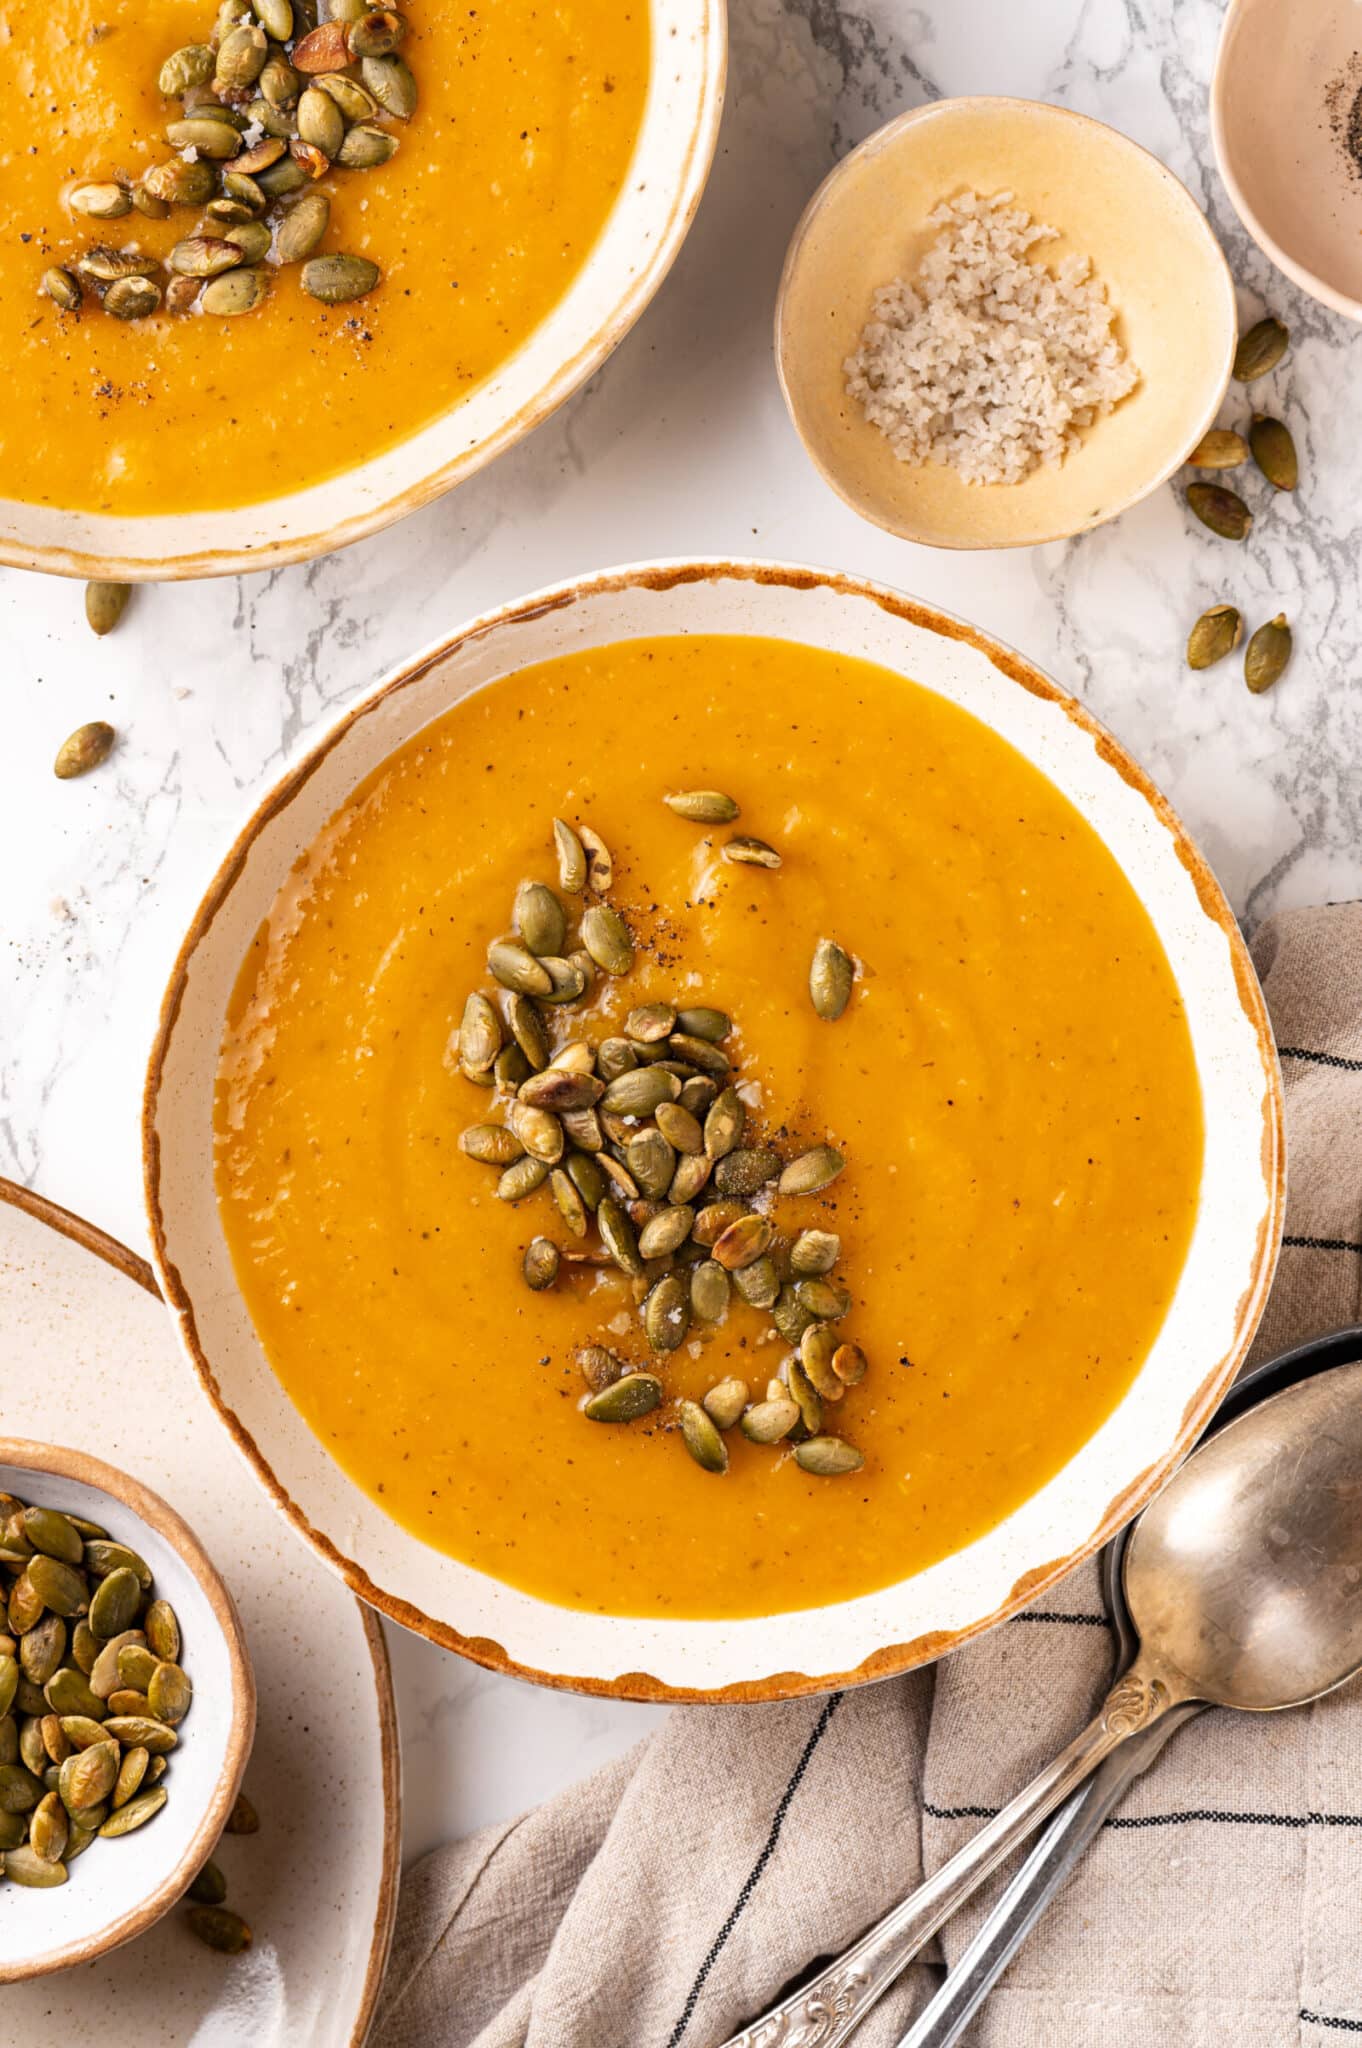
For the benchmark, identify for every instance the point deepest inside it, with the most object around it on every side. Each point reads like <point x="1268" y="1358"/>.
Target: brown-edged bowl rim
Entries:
<point x="555" y="392"/>
<point x="880" y="139"/>
<point x="55" y="1461"/>
<point x="897" y="1658"/>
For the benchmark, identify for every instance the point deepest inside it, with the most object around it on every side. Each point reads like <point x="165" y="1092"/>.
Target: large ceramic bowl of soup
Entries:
<point x="506" y="202"/>
<point x="713" y="983"/>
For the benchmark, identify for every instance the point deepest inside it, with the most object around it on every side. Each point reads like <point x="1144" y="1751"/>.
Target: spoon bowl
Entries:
<point x="1244" y="1577"/>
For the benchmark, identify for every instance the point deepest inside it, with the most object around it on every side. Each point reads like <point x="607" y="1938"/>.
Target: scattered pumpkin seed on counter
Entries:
<point x="637" y="1140"/>
<point x="1215" y="634"/>
<point x="83" y="750"/>
<point x="78" y="1611"/>
<point x="314" y="99"/>
<point x="1267" y="654"/>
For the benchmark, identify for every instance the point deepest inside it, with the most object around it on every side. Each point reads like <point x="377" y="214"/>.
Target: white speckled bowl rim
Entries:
<point x="632" y="255"/>
<point x="1204" y="1337"/>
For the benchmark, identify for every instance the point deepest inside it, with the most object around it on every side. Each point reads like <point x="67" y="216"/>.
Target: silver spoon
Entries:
<point x="1244" y="1584"/>
<point x="1060" y="1845"/>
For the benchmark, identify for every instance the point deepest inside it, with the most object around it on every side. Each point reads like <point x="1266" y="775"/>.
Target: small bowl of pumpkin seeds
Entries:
<point x="127" y="1708"/>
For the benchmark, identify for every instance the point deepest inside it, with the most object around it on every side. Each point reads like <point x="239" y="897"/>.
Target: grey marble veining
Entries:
<point x="679" y="445"/>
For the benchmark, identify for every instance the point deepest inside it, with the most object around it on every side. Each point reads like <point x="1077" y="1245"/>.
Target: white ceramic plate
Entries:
<point x="318" y="1884"/>
<point x="1206" y="1332"/>
<point x="633" y="254"/>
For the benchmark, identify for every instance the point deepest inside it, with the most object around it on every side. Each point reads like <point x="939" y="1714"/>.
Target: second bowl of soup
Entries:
<point x="714" y="1137"/>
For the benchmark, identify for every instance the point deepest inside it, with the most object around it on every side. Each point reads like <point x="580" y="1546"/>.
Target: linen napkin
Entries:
<point x="674" y="1895"/>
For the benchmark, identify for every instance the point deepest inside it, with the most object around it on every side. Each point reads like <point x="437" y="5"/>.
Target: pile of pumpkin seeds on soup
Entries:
<point x="271" y="103"/>
<point x="92" y="1691"/>
<point x="642" y="1144"/>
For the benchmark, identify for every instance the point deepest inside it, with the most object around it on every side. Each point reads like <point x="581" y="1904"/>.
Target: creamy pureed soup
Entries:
<point x="524" y="126"/>
<point x="1011" y="1084"/>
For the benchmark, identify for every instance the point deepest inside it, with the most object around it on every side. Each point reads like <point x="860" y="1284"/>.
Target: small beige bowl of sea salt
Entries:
<point x="1001" y="323"/>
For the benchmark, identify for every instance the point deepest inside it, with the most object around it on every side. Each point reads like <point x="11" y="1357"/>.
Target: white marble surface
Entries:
<point x="680" y="445"/>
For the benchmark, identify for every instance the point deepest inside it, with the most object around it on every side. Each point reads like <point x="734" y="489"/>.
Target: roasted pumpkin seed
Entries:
<point x="827" y="1457"/>
<point x="48" y="1829"/>
<point x="242" y="56"/>
<point x="650" y="1022"/>
<point x="681" y="1130"/>
<point x="571" y="858"/>
<point x="103" y="1556"/>
<point x="586" y="1177"/>
<point x="353" y="99"/>
<point x="243" y="1818"/>
<point x="724" y="1124"/>
<point x="187" y="67"/>
<point x="725" y="1402"/>
<point x="208" y="136"/>
<point x="1265" y="658"/>
<point x="789" y="1314"/>
<point x="218" y="1928"/>
<point x="709" y="1291"/>
<point x="280" y="84"/>
<point x="640" y="1092"/>
<point x="42" y="1649"/>
<point x="751" y="853"/>
<point x="568" y="979"/>
<point x="170" y="1694"/>
<point x="850" y="1364"/>
<point x="759" y="1283"/>
<point x="1260" y="350"/>
<point x="365" y="148"/>
<point x="569" y="1205"/>
<point x="1274" y="451"/>
<point x="390" y="80"/>
<point x="132" y="298"/>
<point x="817" y="1348"/>
<point x="162" y="1630"/>
<point x="824" y="1299"/>
<point x="514" y="966"/>
<point x="815" y="1251"/>
<point x="252" y="238"/>
<point x="236" y="292"/>
<point x="813" y="1171"/>
<point x="336" y="280"/>
<point x="106" y="201"/>
<point x="84" y="749"/>
<point x="624" y="1400"/>
<point x="491" y="1144"/>
<point x="666" y="1233"/>
<point x="1214" y="635"/>
<point x="600" y="1368"/>
<point x="617" y="1235"/>
<point x="1222" y="510"/>
<point x="115" y="1603"/>
<point x="24" y="1866"/>
<point x="377" y="31"/>
<point x="322" y="49"/>
<point x="320" y="121"/>
<point x="666" y="1313"/>
<point x="703" y="806"/>
<point x="769" y="1421"/>
<point x="58" y="1586"/>
<point x="178" y="183"/>
<point x="600" y="867"/>
<point x="606" y="938"/>
<point x="1221" y="448"/>
<point x="701" y="1437"/>
<point x="540" y="1263"/>
<point x="830" y="978"/>
<point x="209" y="1887"/>
<point x="742" y="1243"/>
<point x="744" y="1171"/>
<point x="521" y="1178"/>
<point x="540" y="918"/>
<point x="62" y="288"/>
<point x="138" y="1811"/>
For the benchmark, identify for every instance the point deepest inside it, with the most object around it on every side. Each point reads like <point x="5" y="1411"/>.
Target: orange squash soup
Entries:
<point x="996" y="1088"/>
<point x="525" y="120"/>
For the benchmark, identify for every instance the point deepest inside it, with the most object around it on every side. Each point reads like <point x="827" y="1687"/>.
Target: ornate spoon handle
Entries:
<point x="826" y="2012"/>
